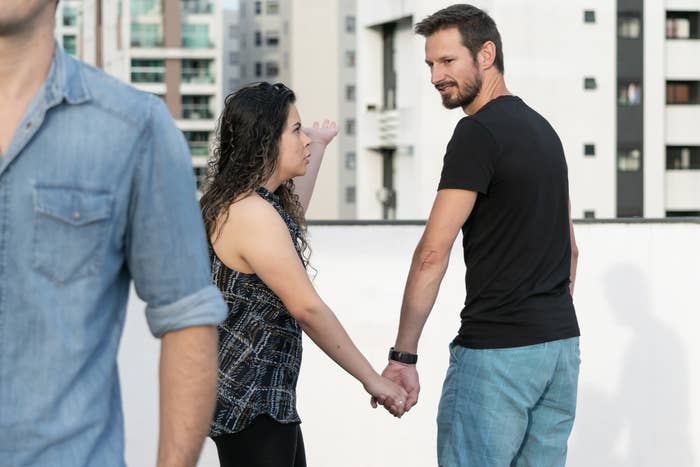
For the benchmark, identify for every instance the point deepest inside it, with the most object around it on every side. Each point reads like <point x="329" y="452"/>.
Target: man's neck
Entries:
<point x="494" y="86"/>
<point x="25" y="61"/>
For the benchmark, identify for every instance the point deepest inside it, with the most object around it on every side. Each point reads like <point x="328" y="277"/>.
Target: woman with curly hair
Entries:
<point x="259" y="254"/>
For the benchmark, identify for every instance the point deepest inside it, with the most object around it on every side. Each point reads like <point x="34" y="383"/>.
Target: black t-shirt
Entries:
<point x="516" y="240"/>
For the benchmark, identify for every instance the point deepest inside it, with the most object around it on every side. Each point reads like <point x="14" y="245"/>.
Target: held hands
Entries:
<point x="322" y="134"/>
<point x="387" y="393"/>
<point x="406" y="376"/>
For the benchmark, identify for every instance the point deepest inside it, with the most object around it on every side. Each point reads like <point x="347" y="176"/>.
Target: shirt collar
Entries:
<point x="65" y="80"/>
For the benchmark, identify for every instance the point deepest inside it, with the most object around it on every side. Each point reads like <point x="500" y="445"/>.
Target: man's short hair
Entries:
<point x="475" y="26"/>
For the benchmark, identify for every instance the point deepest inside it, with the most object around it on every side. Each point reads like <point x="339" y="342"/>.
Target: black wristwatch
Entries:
<point x="403" y="357"/>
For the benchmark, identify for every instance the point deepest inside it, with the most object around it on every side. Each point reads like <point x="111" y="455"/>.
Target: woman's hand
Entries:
<point x="387" y="393"/>
<point x="323" y="133"/>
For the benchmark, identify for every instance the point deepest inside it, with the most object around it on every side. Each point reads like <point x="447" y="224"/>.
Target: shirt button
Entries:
<point x="76" y="215"/>
<point x="28" y="125"/>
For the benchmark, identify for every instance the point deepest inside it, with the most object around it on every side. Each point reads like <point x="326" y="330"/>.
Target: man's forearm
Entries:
<point x="188" y="368"/>
<point x="427" y="271"/>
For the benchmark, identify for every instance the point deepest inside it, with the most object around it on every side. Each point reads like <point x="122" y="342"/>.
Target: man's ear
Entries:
<point x="487" y="55"/>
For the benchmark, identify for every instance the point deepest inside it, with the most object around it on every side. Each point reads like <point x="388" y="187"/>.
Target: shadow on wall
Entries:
<point x="645" y="421"/>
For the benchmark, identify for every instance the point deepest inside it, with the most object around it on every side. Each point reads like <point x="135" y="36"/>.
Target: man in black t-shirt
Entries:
<point x="509" y="396"/>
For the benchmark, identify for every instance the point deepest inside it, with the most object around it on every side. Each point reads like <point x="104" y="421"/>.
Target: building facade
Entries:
<point x="621" y="91"/>
<point x="172" y="49"/>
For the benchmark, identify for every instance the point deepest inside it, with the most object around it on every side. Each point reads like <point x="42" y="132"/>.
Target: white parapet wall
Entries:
<point x="637" y="302"/>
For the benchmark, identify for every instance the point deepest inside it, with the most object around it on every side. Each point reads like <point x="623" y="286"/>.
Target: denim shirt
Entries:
<point x="96" y="190"/>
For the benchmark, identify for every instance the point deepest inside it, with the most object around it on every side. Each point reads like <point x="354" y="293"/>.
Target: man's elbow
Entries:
<point x="574" y="251"/>
<point x="430" y="257"/>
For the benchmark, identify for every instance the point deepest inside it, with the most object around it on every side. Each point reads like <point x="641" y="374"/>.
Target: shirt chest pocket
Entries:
<point x="70" y="231"/>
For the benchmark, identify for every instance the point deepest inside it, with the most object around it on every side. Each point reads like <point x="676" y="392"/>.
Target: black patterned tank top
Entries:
<point x="259" y="346"/>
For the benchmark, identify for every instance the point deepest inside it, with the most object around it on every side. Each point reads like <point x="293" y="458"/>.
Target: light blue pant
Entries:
<point x="508" y="407"/>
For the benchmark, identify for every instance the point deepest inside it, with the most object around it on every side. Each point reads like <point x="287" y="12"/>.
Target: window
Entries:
<point x="589" y="214"/>
<point x="272" y="38"/>
<point x="683" y="92"/>
<point x="233" y="58"/>
<point x="147" y="71"/>
<point x="350" y="24"/>
<point x="195" y="36"/>
<point x="198" y="141"/>
<point x="258" y="69"/>
<point x="350" y="58"/>
<point x="258" y="8"/>
<point x="146" y="35"/>
<point x="257" y="38"/>
<point x="629" y="26"/>
<point x="682" y="157"/>
<point x="589" y="83"/>
<point x="273" y="7"/>
<point x="589" y="150"/>
<point x="589" y="16"/>
<point x="350" y="126"/>
<point x="197" y="71"/>
<point x="682" y="25"/>
<point x="233" y="84"/>
<point x="629" y="93"/>
<point x="244" y="71"/>
<point x="629" y="160"/>
<point x="200" y="176"/>
<point x="70" y="44"/>
<point x="272" y="69"/>
<point x="350" y="93"/>
<point x="70" y="16"/>
<point x="232" y="31"/>
<point x="196" y="108"/>
<point x="350" y="194"/>
<point x="145" y="7"/>
<point x="350" y="160"/>
<point x="197" y="6"/>
<point x="682" y="213"/>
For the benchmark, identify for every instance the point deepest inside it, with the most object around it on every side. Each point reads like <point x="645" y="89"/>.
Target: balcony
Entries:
<point x="146" y="35"/>
<point x="196" y="36"/>
<point x="196" y="112"/>
<point x="197" y="71"/>
<point x="637" y="303"/>
<point x="197" y="7"/>
<point x="389" y="128"/>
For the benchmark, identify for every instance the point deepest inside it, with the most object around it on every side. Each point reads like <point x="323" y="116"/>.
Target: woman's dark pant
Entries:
<point x="264" y="443"/>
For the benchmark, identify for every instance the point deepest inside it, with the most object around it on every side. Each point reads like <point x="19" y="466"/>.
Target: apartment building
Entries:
<point x="310" y="46"/>
<point x="617" y="80"/>
<point x="264" y="40"/>
<point x="231" y="60"/>
<point x="170" y="48"/>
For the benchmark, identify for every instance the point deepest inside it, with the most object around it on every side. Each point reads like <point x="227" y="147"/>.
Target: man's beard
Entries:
<point x="465" y="94"/>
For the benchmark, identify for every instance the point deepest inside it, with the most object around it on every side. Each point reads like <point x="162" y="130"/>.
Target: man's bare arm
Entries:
<point x="188" y="368"/>
<point x="574" y="254"/>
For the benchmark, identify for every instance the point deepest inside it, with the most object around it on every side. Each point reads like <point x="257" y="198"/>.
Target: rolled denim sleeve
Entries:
<point x="166" y="245"/>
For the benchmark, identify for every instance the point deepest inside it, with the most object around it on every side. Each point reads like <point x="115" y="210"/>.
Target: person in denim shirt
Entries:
<point x="96" y="189"/>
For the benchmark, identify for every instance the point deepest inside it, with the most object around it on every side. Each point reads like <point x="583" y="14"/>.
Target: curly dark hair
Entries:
<point x="245" y="154"/>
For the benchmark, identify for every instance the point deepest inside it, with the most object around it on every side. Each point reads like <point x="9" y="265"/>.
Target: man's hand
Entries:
<point x="406" y="376"/>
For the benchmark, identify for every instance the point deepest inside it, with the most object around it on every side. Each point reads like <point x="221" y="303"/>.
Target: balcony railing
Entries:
<point x="198" y="148"/>
<point x="195" y="76"/>
<point x="196" y="112"/>
<point x="197" y="7"/>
